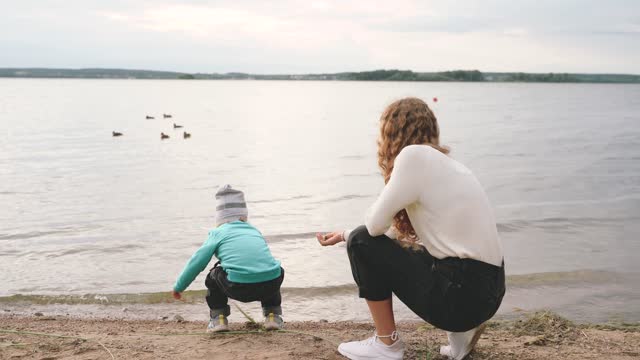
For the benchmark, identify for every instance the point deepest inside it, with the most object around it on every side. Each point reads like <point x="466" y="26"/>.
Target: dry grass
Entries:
<point x="547" y="327"/>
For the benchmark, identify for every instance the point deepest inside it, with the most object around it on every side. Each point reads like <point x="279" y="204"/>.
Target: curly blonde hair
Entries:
<point x="407" y="121"/>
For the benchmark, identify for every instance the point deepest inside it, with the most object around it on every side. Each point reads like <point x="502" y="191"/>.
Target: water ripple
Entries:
<point x="282" y="237"/>
<point x="267" y="201"/>
<point x="559" y="223"/>
<point x="342" y="198"/>
<point x="35" y="234"/>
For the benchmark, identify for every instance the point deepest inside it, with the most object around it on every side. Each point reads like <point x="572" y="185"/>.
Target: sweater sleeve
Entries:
<point x="402" y="190"/>
<point x="197" y="263"/>
<point x="390" y="233"/>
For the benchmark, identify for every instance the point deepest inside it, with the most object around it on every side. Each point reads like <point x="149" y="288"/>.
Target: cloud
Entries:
<point x="324" y="35"/>
<point x="114" y="16"/>
<point x="206" y="21"/>
<point x="320" y="5"/>
<point x="220" y="25"/>
<point x="622" y="29"/>
<point x="515" y="32"/>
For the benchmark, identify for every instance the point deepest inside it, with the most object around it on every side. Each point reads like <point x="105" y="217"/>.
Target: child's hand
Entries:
<point x="331" y="238"/>
<point x="176" y="295"/>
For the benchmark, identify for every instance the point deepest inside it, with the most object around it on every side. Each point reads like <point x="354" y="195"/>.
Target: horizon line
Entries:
<point x="312" y="73"/>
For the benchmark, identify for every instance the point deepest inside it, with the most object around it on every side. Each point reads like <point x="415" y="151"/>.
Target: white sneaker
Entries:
<point x="372" y="348"/>
<point x="218" y="324"/>
<point x="461" y="343"/>
<point x="273" y="322"/>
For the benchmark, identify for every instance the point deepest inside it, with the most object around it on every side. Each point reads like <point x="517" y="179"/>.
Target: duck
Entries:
<point x="149" y="117"/>
<point x="167" y="116"/>
<point x="186" y="135"/>
<point x="176" y="126"/>
<point x="115" y="133"/>
<point x="163" y="136"/>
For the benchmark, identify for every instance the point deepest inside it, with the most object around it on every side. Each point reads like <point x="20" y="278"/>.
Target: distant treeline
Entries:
<point x="87" y="73"/>
<point x="376" y="75"/>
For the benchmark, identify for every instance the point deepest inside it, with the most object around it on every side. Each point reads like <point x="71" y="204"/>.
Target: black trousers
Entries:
<point x="452" y="294"/>
<point x="220" y="289"/>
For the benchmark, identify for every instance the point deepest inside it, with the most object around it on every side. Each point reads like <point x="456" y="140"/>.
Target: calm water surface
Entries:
<point x="83" y="212"/>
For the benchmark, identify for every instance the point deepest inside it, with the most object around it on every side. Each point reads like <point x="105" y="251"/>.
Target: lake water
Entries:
<point x="83" y="212"/>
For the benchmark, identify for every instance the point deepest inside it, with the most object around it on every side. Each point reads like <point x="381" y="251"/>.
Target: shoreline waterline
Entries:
<point x="570" y="294"/>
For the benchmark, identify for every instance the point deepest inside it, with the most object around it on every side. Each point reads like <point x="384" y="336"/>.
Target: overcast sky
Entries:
<point x="312" y="36"/>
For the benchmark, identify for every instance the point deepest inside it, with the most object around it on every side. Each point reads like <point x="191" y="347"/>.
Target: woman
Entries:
<point x="430" y="238"/>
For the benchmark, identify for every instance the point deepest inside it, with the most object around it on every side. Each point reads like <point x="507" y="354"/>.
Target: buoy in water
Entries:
<point x="435" y="99"/>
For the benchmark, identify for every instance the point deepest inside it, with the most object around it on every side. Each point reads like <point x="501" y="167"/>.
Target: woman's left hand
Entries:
<point x="330" y="238"/>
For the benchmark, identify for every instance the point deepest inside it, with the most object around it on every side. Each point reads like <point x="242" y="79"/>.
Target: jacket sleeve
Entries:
<point x="197" y="263"/>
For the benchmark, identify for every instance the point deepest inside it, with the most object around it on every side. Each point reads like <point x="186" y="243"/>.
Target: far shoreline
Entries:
<point x="383" y="75"/>
<point x="326" y="81"/>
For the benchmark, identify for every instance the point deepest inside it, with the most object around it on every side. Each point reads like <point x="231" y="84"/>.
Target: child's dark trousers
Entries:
<point x="220" y="289"/>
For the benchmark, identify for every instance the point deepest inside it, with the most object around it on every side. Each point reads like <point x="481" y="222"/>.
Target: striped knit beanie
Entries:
<point x="230" y="205"/>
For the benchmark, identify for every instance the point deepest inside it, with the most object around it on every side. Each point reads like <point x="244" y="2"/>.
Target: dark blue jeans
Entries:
<point x="220" y="289"/>
<point x="452" y="294"/>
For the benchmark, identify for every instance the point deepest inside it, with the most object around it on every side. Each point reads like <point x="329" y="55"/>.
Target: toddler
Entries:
<point x="246" y="270"/>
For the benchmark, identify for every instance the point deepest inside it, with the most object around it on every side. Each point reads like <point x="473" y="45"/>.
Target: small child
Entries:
<point x="246" y="270"/>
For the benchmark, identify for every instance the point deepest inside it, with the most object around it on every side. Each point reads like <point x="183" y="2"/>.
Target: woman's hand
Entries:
<point x="331" y="238"/>
<point x="176" y="295"/>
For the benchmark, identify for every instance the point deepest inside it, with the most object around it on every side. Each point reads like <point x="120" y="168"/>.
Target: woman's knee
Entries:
<point x="357" y="238"/>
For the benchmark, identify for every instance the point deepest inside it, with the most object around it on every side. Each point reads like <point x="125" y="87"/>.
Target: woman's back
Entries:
<point x="449" y="209"/>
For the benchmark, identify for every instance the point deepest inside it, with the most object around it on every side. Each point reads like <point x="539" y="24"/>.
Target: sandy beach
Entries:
<point x="534" y="336"/>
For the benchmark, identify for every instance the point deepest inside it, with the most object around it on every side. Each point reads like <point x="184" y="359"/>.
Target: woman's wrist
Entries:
<point x="345" y="235"/>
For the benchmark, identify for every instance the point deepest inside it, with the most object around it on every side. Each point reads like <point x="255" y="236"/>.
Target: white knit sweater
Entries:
<point x="446" y="204"/>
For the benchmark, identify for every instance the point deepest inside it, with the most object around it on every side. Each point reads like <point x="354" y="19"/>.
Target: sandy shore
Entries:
<point x="538" y="336"/>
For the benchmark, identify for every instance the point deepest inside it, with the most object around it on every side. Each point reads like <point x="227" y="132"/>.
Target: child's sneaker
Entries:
<point x="273" y="322"/>
<point x="372" y="348"/>
<point x="218" y="324"/>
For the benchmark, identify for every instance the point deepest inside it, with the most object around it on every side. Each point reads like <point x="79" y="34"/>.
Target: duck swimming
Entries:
<point x="163" y="136"/>
<point x="186" y="135"/>
<point x="149" y="117"/>
<point x="115" y="133"/>
<point x="176" y="126"/>
<point x="167" y="116"/>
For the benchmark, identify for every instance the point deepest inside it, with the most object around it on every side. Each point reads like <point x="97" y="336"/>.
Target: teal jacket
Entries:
<point x="242" y="251"/>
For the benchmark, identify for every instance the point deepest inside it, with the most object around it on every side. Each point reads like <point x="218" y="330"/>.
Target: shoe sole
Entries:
<point x="355" y="357"/>
<point x="347" y="355"/>
<point x="272" y="327"/>
<point x="475" y="338"/>
<point x="213" y="331"/>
